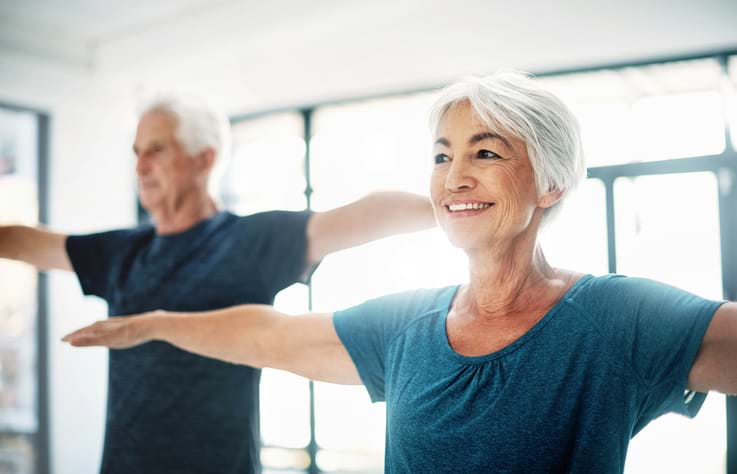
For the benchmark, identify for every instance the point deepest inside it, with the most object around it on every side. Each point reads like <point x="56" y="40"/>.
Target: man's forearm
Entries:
<point x="376" y="216"/>
<point x="394" y="212"/>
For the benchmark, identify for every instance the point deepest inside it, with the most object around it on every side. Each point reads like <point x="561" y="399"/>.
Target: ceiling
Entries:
<point x="76" y="30"/>
<point x="287" y="51"/>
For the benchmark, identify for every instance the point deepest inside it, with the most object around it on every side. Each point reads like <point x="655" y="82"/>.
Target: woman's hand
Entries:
<point x="116" y="333"/>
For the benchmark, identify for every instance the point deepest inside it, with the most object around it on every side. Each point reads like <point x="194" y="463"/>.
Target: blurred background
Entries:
<point x="332" y="96"/>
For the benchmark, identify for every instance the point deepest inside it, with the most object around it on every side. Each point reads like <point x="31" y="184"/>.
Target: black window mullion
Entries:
<point x="43" y="445"/>
<point x="312" y="447"/>
<point x="727" y="180"/>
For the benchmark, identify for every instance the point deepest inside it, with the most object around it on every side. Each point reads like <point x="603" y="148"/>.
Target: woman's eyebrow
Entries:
<point x="488" y="136"/>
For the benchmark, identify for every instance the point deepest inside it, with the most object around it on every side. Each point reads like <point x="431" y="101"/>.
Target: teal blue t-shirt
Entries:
<point x="567" y="396"/>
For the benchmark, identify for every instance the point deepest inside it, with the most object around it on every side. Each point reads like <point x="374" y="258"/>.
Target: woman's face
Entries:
<point x="482" y="186"/>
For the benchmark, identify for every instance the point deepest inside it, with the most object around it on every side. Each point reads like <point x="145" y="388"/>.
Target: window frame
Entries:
<point x="41" y="439"/>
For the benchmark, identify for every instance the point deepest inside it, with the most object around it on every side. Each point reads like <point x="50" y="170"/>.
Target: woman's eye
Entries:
<point x="487" y="154"/>
<point x="441" y="158"/>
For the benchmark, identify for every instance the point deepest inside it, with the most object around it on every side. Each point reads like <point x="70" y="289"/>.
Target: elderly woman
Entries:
<point x="528" y="368"/>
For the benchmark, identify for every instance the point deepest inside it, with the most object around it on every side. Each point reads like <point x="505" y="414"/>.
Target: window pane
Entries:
<point x="678" y="126"/>
<point x="577" y="238"/>
<point x="16" y="454"/>
<point x="606" y="128"/>
<point x="372" y="145"/>
<point x="668" y="230"/>
<point x="285" y="397"/>
<point x="359" y="148"/>
<point x="266" y="170"/>
<point x="291" y="460"/>
<point x="347" y="421"/>
<point x="647" y="113"/>
<point x="336" y="461"/>
<point x="731" y="91"/>
<point x="285" y="409"/>
<point x="18" y="290"/>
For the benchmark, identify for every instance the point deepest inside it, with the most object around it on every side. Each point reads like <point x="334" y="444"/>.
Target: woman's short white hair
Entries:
<point x="512" y="104"/>
<point x="199" y="126"/>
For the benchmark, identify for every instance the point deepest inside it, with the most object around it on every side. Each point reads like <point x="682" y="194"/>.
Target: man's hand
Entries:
<point x="116" y="333"/>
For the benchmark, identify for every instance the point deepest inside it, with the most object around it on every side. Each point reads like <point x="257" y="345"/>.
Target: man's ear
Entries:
<point x="549" y="198"/>
<point x="206" y="159"/>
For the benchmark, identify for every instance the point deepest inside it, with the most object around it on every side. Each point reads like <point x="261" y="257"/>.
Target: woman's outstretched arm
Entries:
<point x="255" y="335"/>
<point x="715" y="367"/>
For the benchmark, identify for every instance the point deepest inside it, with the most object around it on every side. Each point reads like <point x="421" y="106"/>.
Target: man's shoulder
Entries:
<point x="268" y="221"/>
<point x="116" y="235"/>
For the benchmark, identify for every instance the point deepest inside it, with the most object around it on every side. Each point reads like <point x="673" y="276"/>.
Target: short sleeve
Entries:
<point x="368" y="330"/>
<point x="283" y="243"/>
<point x="659" y="328"/>
<point x="93" y="256"/>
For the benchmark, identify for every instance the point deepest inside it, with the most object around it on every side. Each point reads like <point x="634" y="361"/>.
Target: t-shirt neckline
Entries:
<point x="194" y="230"/>
<point x="448" y="349"/>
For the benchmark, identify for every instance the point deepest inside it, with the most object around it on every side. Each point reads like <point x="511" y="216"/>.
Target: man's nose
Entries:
<point x="142" y="165"/>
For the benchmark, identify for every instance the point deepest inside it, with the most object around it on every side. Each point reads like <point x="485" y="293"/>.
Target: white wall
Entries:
<point x="247" y="63"/>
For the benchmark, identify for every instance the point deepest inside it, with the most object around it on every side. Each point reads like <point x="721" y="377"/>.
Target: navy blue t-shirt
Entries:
<point x="170" y="411"/>
<point x="567" y="396"/>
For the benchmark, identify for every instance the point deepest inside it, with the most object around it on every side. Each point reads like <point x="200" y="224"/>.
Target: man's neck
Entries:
<point x="178" y="218"/>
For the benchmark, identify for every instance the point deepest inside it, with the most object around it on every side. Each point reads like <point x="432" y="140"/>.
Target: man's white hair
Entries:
<point x="512" y="104"/>
<point x="199" y="126"/>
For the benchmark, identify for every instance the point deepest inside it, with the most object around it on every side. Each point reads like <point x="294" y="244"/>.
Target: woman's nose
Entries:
<point x="459" y="176"/>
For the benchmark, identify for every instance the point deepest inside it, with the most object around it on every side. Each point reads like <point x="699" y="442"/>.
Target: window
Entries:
<point x="21" y="420"/>
<point x="359" y="148"/>
<point x="668" y="230"/>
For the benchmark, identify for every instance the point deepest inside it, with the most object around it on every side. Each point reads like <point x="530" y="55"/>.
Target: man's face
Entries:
<point x="166" y="174"/>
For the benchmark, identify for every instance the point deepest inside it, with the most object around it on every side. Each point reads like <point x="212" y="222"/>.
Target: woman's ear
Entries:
<point x="549" y="199"/>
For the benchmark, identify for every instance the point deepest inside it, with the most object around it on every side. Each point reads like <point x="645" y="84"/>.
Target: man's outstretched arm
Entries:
<point x="254" y="335"/>
<point x="43" y="249"/>
<point x="375" y="216"/>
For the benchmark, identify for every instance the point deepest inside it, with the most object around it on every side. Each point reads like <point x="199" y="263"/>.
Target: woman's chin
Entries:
<point x="461" y="240"/>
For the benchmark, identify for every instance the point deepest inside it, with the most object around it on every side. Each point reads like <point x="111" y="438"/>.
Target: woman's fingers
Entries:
<point x="102" y="333"/>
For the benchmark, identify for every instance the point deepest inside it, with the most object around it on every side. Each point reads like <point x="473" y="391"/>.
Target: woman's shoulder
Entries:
<point x="416" y="302"/>
<point x="612" y="293"/>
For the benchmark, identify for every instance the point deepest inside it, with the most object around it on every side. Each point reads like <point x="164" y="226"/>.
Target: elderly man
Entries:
<point x="170" y="411"/>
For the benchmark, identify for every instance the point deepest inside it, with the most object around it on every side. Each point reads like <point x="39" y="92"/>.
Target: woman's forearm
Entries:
<point x="254" y="335"/>
<point x="239" y="334"/>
